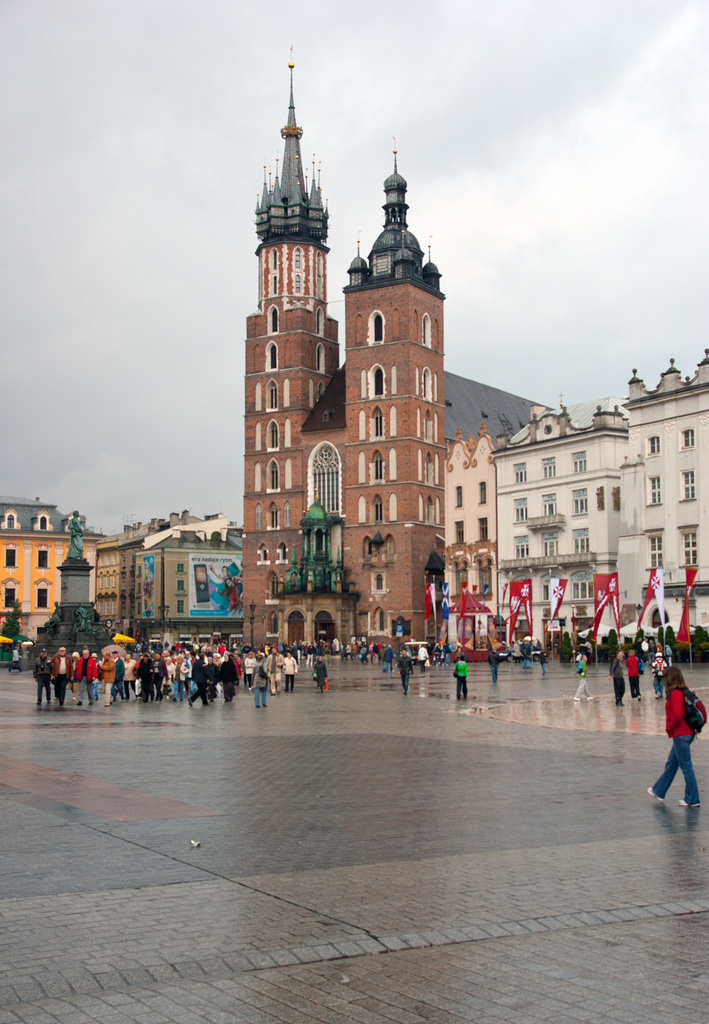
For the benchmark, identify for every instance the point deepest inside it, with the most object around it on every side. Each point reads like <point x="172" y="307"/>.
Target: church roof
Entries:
<point x="469" y="401"/>
<point x="328" y="412"/>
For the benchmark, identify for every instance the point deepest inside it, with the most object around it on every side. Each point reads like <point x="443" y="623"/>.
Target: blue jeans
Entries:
<point x="493" y="669"/>
<point x="680" y="757"/>
<point x="525" y="663"/>
<point x="544" y="669"/>
<point x="179" y="690"/>
<point x="117" y="689"/>
<point x="659" y="683"/>
<point x="260" y="693"/>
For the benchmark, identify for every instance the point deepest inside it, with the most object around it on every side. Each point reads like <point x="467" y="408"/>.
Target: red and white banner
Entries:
<point x="520" y="596"/>
<point x="557" y="589"/>
<point x="683" y="632"/>
<point x="605" y="592"/>
<point x="432" y="589"/>
<point x="427" y="612"/>
<point x="655" y="589"/>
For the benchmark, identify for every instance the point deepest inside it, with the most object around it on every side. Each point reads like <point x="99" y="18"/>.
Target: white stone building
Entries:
<point x="665" y="506"/>
<point x="558" y="505"/>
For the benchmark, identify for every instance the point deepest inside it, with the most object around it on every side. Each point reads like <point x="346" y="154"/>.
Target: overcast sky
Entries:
<point x="556" y="150"/>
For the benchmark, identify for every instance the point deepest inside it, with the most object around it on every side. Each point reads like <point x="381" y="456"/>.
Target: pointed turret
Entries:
<point x="288" y="211"/>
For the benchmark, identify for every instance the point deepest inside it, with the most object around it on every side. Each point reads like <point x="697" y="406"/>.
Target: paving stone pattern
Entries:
<point x="364" y="857"/>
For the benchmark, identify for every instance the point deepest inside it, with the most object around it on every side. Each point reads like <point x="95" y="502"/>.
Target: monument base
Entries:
<point x="75" y="623"/>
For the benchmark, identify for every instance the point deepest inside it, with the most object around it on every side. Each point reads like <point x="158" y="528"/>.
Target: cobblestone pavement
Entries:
<point x="363" y="857"/>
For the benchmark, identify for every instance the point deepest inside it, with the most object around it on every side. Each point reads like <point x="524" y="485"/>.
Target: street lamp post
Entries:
<point x="252" y="619"/>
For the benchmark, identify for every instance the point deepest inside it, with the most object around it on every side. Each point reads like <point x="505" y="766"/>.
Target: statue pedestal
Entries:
<point x="69" y="632"/>
<point x="76" y="574"/>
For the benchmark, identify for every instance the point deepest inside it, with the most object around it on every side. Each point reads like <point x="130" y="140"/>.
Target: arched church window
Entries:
<point x="286" y="515"/>
<point x="325" y="477"/>
<point x="318" y="322"/>
<point x="273" y="434"/>
<point x="378" y="466"/>
<point x="297" y="284"/>
<point x="426" y="332"/>
<point x="43" y="523"/>
<point x="320" y="358"/>
<point x="378" y="328"/>
<point x="273" y="517"/>
<point x="272" y="356"/>
<point x="274" y="321"/>
<point x="10" y="522"/>
<point x="274" y="259"/>
<point x="379" y="582"/>
<point x="296" y="258"/>
<point x="378" y="422"/>
<point x="273" y="475"/>
<point x="258" y="518"/>
<point x="378" y="510"/>
<point x="379" y="381"/>
<point x="272" y="395"/>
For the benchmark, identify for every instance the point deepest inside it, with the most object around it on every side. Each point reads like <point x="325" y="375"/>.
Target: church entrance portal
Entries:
<point x="324" y="627"/>
<point x="296" y="628"/>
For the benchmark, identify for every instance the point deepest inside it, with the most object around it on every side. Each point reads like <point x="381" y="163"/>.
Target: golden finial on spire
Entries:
<point x="291" y="65"/>
<point x="358" y="234"/>
<point x="429" y="247"/>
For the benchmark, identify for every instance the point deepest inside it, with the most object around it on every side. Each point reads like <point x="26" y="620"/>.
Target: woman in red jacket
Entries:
<point x="681" y="736"/>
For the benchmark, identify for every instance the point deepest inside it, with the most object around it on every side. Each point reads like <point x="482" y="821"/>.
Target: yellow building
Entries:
<point x="34" y="542"/>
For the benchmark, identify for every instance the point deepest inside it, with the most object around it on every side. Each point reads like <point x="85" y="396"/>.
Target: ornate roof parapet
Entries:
<point x="671" y="381"/>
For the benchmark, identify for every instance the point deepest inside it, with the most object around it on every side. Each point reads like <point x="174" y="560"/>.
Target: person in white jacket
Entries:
<point x="290" y="668"/>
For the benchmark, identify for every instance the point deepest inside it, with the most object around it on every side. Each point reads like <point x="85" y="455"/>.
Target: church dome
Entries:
<point x="390" y="238"/>
<point x="358" y="263"/>
<point x="431" y="269"/>
<point x="395" y="181"/>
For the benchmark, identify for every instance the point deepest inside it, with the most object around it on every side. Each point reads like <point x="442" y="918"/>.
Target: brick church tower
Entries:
<point x="395" y="448"/>
<point x="291" y="354"/>
<point x="343" y="482"/>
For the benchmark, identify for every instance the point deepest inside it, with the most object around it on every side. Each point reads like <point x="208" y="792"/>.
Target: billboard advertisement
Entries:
<point x="149" y="586"/>
<point x="215" y="586"/>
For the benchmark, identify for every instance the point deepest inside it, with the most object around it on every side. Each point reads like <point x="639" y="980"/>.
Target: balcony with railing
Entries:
<point x="546" y="522"/>
<point x="543" y="561"/>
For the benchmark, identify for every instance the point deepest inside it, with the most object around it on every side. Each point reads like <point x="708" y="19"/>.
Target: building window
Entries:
<point x="689" y="546"/>
<point x="579" y="462"/>
<point x="286" y="515"/>
<point x="10" y="595"/>
<point x="582" y="590"/>
<point x="482" y="523"/>
<point x="318" y="322"/>
<point x="580" y="502"/>
<point x="522" y="547"/>
<point x="521" y="473"/>
<point x="688" y="485"/>
<point x="10" y="558"/>
<point x="655" y="491"/>
<point x="180" y="585"/>
<point x="297" y="284"/>
<point x="520" y="510"/>
<point x="655" y="552"/>
<point x="551" y="544"/>
<point x="320" y="358"/>
<point x="653" y="445"/>
<point x="378" y="423"/>
<point x="43" y="519"/>
<point x="549" y="503"/>
<point x="180" y="567"/>
<point x="273" y="517"/>
<point x="427" y="330"/>
<point x="378" y="328"/>
<point x="379" y="582"/>
<point x="581" y="542"/>
<point x="296" y="260"/>
<point x="379" y="381"/>
<point x="42" y="597"/>
<point x="273" y="395"/>
<point x="273" y="475"/>
<point x="274" y="321"/>
<point x="378" y="466"/>
<point x="10" y="522"/>
<point x="549" y="467"/>
<point x="459" y="497"/>
<point x="378" y="510"/>
<point x="180" y="607"/>
<point x="688" y="439"/>
<point x="42" y="559"/>
<point x="545" y="590"/>
<point x="460" y="532"/>
<point x="483" y="492"/>
<point x="273" y="590"/>
<point x="326" y="477"/>
<point x="258" y="518"/>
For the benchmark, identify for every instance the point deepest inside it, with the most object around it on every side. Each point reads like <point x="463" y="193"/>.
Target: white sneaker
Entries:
<point x="590" y="698"/>
<point x="578" y="699"/>
<point x="652" y="792"/>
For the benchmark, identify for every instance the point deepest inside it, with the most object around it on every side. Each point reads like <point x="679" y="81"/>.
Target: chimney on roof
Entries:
<point x="186" y="517"/>
<point x="174" y="519"/>
<point x="36" y="499"/>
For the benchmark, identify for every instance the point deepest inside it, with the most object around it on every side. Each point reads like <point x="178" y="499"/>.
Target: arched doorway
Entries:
<point x="324" y="627"/>
<point x="296" y="628"/>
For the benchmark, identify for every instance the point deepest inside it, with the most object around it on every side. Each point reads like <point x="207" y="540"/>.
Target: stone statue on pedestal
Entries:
<point x="76" y="532"/>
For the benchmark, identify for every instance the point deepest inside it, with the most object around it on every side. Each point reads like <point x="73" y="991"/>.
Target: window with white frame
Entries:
<point x="582" y="587"/>
<point x="459" y="497"/>
<point x="687" y="438"/>
<point x="653" y="445"/>
<point x="286" y="514"/>
<point x="326" y="477"/>
<point x="520" y="472"/>
<point x="549" y="468"/>
<point x="549" y="504"/>
<point x="580" y="502"/>
<point x="521" y="510"/>
<point x="551" y="544"/>
<point x="655" y="490"/>
<point x="688" y="488"/>
<point x="522" y="547"/>
<point x="581" y="542"/>
<point x="655" y="551"/>
<point x="579" y="462"/>
<point x="689" y="548"/>
<point x="483" y="492"/>
<point x="545" y="590"/>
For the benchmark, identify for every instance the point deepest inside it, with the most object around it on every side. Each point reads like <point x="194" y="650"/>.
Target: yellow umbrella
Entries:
<point x="5" y="640"/>
<point x="121" y="638"/>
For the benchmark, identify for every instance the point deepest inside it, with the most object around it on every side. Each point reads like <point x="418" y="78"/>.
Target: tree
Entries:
<point x="640" y="635"/>
<point x="661" y="636"/>
<point x="612" y="644"/>
<point x="13" y="624"/>
<point x="566" y="647"/>
<point x="670" y="637"/>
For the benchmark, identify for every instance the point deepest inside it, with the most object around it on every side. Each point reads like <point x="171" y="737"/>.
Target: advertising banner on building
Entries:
<point x="215" y="586"/>
<point x="149" y="586"/>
